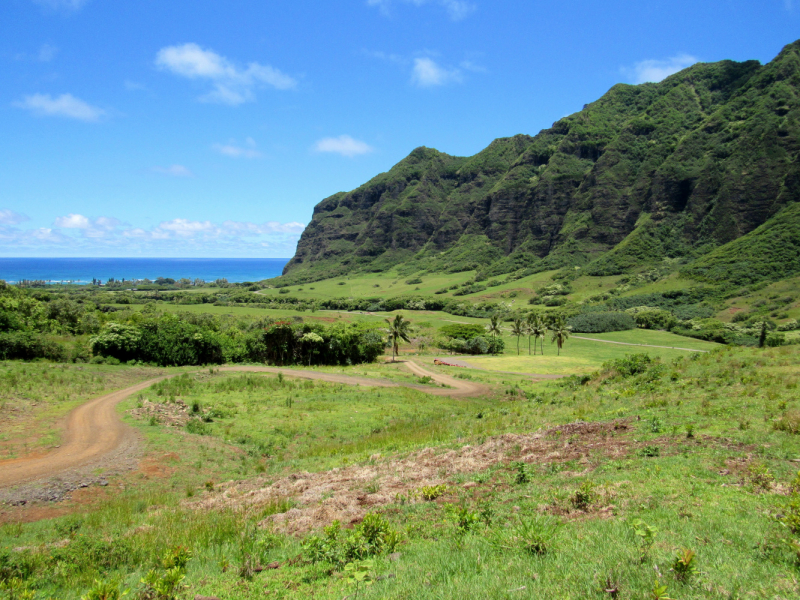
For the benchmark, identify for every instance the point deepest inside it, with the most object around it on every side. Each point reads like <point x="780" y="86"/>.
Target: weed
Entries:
<point x="584" y="496"/>
<point x="685" y="565"/>
<point x="536" y="535"/>
<point x="655" y="425"/>
<point x="521" y="472"/>
<point x="373" y="487"/>
<point x="162" y="585"/>
<point x="789" y="422"/>
<point x="432" y="492"/>
<point x="373" y="536"/>
<point x="659" y="592"/>
<point x="464" y="518"/>
<point x="646" y="535"/>
<point x="760" y="477"/>
<point x="358" y="573"/>
<point x="649" y="451"/>
<point x="209" y="485"/>
<point x="690" y="430"/>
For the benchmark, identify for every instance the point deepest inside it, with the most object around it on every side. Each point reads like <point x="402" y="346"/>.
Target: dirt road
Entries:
<point x="94" y="432"/>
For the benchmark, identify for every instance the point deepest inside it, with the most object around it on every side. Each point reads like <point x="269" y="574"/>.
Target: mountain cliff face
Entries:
<point x="673" y="169"/>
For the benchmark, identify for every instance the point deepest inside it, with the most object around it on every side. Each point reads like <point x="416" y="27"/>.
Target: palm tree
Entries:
<point x="399" y="329"/>
<point x="518" y="330"/>
<point x="538" y="329"/>
<point x="560" y="331"/>
<point x="530" y="321"/>
<point x="494" y="328"/>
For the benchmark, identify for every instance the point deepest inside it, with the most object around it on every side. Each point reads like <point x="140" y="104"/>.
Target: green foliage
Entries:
<point x="685" y="565"/>
<point x="104" y="590"/>
<point x="464" y="331"/>
<point x="372" y="537"/>
<point x="432" y="492"/>
<point x="630" y="365"/>
<point x="601" y="322"/>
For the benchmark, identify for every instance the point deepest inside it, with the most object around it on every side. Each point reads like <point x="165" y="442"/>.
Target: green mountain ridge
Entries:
<point x="677" y="169"/>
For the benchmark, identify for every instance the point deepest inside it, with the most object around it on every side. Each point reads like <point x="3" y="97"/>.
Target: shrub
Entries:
<point x="601" y="322"/>
<point x="790" y="422"/>
<point x="373" y="536"/>
<point x="630" y="364"/>
<point x="26" y="345"/>
<point x="432" y="492"/>
<point x="584" y="496"/>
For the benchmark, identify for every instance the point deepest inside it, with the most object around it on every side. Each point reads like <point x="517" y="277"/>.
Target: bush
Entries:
<point x="648" y="317"/>
<point x="464" y="331"/>
<point x="601" y="322"/>
<point x="629" y="365"/>
<point x="26" y="345"/>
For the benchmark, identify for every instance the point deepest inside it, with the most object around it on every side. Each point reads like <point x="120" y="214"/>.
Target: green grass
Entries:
<point x="34" y="396"/>
<point x="707" y="493"/>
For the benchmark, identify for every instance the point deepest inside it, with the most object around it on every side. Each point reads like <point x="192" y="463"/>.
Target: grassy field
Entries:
<point x="35" y="396"/>
<point x="627" y="473"/>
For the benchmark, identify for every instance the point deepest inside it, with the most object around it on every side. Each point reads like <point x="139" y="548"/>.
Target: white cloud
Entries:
<point x="344" y="145"/>
<point x="427" y="73"/>
<point x="232" y="85"/>
<point x="73" y="221"/>
<point x="179" y="236"/>
<point x="62" y="4"/>
<point x="234" y="151"/>
<point x="9" y="217"/>
<point x="456" y="9"/>
<point x="656" y="70"/>
<point x="65" y="105"/>
<point x="174" y="171"/>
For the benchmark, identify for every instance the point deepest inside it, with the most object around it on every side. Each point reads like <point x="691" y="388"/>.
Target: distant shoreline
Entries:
<point x="82" y="270"/>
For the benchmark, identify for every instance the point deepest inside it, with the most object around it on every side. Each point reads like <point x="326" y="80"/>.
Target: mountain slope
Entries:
<point x="672" y="169"/>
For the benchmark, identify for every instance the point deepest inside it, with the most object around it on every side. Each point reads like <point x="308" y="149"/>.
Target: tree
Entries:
<point x="530" y="321"/>
<point x="539" y="330"/>
<point x="560" y="331"/>
<point x="518" y="330"/>
<point x="494" y="325"/>
<point x="399" y="329"/>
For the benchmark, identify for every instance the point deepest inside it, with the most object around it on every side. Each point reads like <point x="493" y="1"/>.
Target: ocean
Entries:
<point x="83" y="270"/>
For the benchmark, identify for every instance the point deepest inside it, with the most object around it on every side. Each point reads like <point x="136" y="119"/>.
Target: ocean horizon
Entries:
<point x="84" y="269"/>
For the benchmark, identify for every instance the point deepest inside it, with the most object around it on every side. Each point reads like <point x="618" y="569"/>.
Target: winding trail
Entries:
<point x="94" y="432"/>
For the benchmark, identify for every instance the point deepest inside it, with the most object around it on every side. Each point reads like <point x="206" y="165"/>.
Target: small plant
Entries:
<point x="179" y="556"/>
<point x="425" y="380"/>
<point x="659" y="592"/>
<point x="17" y="589"/>
<point x="162" y="585"/>
<point x="685" y="565"/>
<point x="611" y="586"/>
<point x="373" y="487"/>
<point x="655" y="425"/>
<point x="689" y="430"/>
<point x="464" y="518"/>
<point x="432" y="492"/>
<point x="521" y="473"/>
<point x="584" y="496"/>
<point x="358" y="573"/>
<point x="209" y="485"/>
<point x="646" y="535"/>
<point x="760" y="477"/>
<point x="791" y="516"/>
<point x="536" y="535"/>
<point x="289" y="402"/>
<point x="649" y="451"/>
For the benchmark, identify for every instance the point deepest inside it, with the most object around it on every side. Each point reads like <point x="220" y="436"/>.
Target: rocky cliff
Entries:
<point x="673" y="169"/>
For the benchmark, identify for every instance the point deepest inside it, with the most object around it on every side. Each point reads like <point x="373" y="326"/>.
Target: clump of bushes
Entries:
<point x="372" y="537"/>
<point x="601" y="322"/>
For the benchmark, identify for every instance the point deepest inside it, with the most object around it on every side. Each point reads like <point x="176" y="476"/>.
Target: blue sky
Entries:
<point x="211" y="129"/>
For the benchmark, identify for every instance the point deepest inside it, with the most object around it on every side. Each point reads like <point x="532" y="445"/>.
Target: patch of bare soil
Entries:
<point x="346" y="494"/>
<point x="171" y="414"/>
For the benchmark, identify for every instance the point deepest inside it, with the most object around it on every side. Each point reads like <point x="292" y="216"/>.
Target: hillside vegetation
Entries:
<point x="650" y="172"/>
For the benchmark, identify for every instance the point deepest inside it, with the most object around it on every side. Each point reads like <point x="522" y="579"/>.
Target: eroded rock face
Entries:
<point x="707" y="155"/>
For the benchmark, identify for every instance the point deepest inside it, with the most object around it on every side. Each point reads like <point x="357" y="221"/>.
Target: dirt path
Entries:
<point x="95" y="435"/>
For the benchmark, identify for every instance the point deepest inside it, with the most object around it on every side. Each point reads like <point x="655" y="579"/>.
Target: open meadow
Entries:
<point x="651" y="475"/>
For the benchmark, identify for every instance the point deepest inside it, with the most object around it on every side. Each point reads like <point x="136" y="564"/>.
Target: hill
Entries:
<point x="676" y="170"/>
